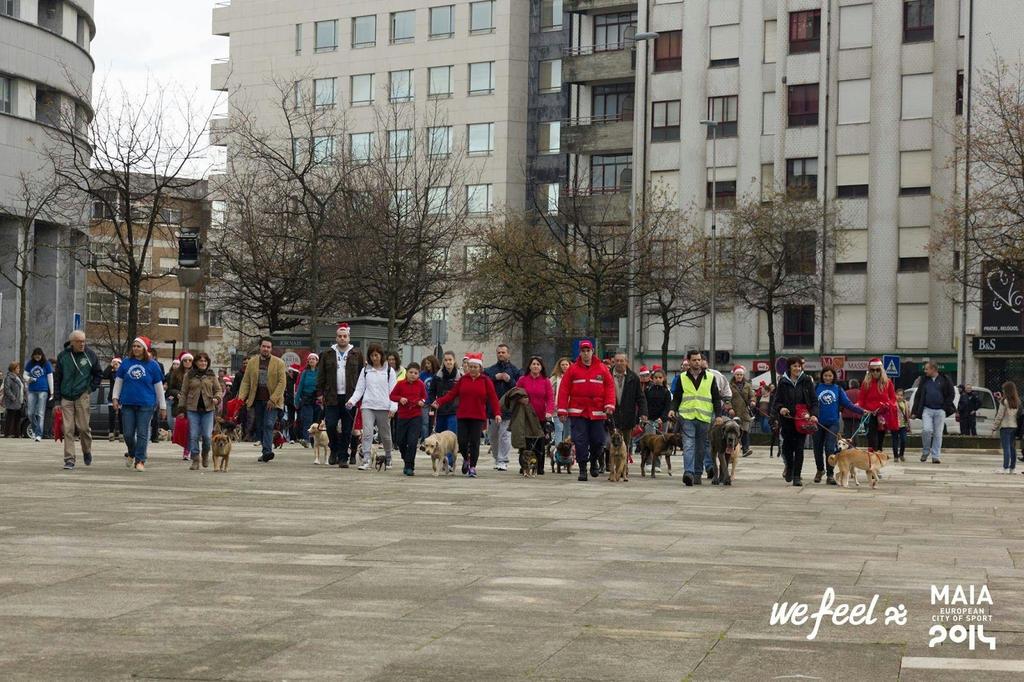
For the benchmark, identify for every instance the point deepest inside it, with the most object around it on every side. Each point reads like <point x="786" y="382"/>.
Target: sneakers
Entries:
<point x="797" y="483"/>
<point x="39" y="439"/>
<point x="818" y="475"/>
<point x="502" y="466"/>
<point x="139" y="466"/>
<point x="936" y="461"/>
<point x="69" y="466"/>
<point x="365" y="466"/>
<point x="87" y="458"/>
<point x="831" y="481"/>
<point x="748" y="452"/>
<point x="465" y="466"/>
<point x="687" y="479"/>
<point x="924" y="457"/>
<point x="304" y="443"/>
<point x="472" y="472"/>
<point x="696" y="480"/>
<point x="657" y="470"/>
<point x="128" y="461"/>
<point x="407" y="471"/>
<point x="387" y="466"/>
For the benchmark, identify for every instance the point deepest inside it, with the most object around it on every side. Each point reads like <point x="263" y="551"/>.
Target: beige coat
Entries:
<point x="207" y="385"/>
<point x="275" y="381"/>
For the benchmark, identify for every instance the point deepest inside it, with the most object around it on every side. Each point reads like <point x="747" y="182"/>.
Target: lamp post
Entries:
<point x="713" y="128"/>
<point x="630" y="309"/>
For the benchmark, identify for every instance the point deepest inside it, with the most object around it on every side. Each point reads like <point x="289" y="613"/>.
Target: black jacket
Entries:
<point x="632" y="405"/>
<point x="945" y="385"/>
<point x="659" y="400"/>
<point x="327" y="374"/>
<point x="969" y="402"/>
<point x="789" y="395"/>
<point x="442" y="383"/>
<point x="503" y="387"/>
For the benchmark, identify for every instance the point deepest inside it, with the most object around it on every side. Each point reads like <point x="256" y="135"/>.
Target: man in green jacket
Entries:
<point x="76" y="376"/>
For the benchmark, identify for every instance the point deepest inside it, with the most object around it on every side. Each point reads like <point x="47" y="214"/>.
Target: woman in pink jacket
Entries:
<point x="542" y="399"/>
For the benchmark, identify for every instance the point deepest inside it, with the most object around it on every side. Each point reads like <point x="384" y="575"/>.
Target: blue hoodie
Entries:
<point x="830" y="398"/>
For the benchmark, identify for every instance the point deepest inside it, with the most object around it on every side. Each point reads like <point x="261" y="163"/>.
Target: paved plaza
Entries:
<point x="292" y="571"/>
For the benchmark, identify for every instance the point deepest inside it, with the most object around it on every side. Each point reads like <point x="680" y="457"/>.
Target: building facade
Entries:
<point x="45" y="81"/>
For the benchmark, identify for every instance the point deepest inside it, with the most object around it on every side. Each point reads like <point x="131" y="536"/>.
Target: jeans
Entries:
<point x="824" y="445"/>
<point x="339" y="440"/>
<point x="136" y="420"/>
<point x="695" y="446"/>
<point x="425" y="423"/>
<point x="200" y="427"/>
<point x="932" y="421"/>
<point x="264" y="420"/>
<point x="408" y="435"/>
<point x="501" y="440"/>
<point x="559" y="433"/>
<point x="766" y="425"/>
<point x="899" y="442"/>
<point x="37" y="410"/>
<point x="588" y="435"/>
<point x="446" y="422"/>
<point x="307" y="416"/>
<point x="1007" y="437"/>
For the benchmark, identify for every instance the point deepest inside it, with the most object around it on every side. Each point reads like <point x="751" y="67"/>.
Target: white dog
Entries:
<point x="320" y="441"/>
<point x="442" y="448"/>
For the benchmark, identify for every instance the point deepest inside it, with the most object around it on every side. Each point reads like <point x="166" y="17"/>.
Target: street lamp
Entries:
<point x="642" y="122"/>
<point x="713" y="128"/>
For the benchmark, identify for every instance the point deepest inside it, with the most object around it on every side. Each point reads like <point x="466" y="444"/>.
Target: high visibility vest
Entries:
<point x="696" y="401"/>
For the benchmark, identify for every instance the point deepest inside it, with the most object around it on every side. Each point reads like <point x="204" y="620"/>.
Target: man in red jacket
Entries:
<point x="586" y="397"/>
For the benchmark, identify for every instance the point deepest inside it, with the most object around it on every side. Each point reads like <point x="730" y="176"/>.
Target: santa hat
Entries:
<point x="117" y="360"/>
<point x="656" y="368"/>
<point x="343" y="325"/>
<point x="144" y="340"/>
<point x="294" y="368"/>
<point x="475" y="358"/>
<point x="643" y="370"/>
<point x="875" y="363"/>
<point x="739" y="369"/>
<point x="314" y="356"/>
<point x="185" y="355"/>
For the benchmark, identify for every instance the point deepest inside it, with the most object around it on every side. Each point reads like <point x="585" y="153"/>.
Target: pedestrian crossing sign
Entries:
<point x="891" y="365"/>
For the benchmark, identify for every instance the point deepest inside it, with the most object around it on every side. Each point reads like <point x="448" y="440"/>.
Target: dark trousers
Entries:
<point x="876" y="438"/>
<point x="332" y="415"/>
<point x="588" y="435"/>
<point x="470" y="433"/>
<point x="825" y="445"/>
<point x="115" y="421"/>
<point x="793" y="451"/>
<point x="12" y="418"/>
<point x="968" y="425"/>
<point x="537" y="445"/>
<point x="849" y="426"/>
<point x="408" y="435"/>
<point x="899" y="442"/>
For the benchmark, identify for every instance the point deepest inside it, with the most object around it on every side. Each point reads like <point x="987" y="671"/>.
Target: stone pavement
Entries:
<point x="292" y="571"/>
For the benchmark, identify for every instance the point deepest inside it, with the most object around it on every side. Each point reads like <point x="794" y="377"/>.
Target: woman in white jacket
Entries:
<point x="374" y="389"/>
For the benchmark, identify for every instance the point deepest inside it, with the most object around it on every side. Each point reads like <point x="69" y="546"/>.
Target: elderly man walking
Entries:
<point x="77" y="375"/>
<point x="263" y="392"/>
<point x="504" y="375"/>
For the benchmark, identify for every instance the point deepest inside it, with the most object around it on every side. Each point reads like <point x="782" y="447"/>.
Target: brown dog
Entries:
<point x="221" y="447"/>
<point x="562" y="457"/>
<point x="618" y="458"/>
<point x="725" y="450"/>
<point x="848" y="461"/>
<point x="443" y="448"/>
<point x="654" y="445"/>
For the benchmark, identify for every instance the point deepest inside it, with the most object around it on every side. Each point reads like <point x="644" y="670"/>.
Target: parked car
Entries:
<point x="985" y="414"/>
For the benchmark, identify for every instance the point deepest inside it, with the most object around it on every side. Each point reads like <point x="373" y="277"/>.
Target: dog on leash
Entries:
<point x="562" y="457"/>
<point x="527" y="463"/>
<point x="618" y="457"/>
<point x="221" y="449"/>
<point x="228" y="428"/>
<point x="321" y="443"/>
<point x="655" y="445"/>
<point x="848" y="461"/>
<point x="163" y="435"/>
<point x="442" y="448"/>
<point x="725" y="450"/>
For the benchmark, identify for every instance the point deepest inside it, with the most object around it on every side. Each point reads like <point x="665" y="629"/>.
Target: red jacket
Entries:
<point x="474" y="395"/>
<point x="874" y="396"/>
<point x="586" y="391"/>
<point x="414" y="391"/>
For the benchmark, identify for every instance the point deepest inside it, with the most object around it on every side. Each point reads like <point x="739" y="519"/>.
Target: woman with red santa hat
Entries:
<point x="878" y="396"/>
<point x="475" y="393"/>
<point x="138" y="391"/>
<point x="175" y="407"/>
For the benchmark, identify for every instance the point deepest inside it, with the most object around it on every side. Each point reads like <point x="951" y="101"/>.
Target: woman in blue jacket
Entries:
<point x="138" y="391"/>
<point x="305" y="399"/>
<point x="831" y="397"/>
<point x="39" y="378"/>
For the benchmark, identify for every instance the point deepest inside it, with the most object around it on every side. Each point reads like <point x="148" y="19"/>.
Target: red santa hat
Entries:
<point x="475" y="358"/>
<point x="314" y="356"/>
<point x="656" y="368"/>
<point x="643" y="370"/>
<point x="185" y="355"/>
<point x="117" y="360"/>
<point x="144" y="340"/>
<point x="343" y="325"/>
<point x="739" y="369"/>
<point x="294" y="368"/>
<point x="875" y="363"/>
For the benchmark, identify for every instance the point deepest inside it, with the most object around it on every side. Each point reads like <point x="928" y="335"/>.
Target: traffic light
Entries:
<point x="189" y="247"/>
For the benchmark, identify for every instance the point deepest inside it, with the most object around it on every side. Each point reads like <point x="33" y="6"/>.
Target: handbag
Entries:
<point x="803" y="420"/>
<point x="891" y="417"/>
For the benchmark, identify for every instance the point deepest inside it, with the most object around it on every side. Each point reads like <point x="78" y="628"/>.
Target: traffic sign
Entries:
<point x="891" y="365"/>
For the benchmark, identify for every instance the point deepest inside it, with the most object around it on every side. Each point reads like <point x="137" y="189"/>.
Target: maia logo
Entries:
<point x="36" y="372"/>
<point x="826" y="398"/>
<point x="137" y="372"/>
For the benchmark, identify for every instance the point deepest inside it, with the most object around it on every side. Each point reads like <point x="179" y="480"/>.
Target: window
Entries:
<point x="298" y="38"/>
<point x="854" y="26"/>
<point x="362" y="89"/>
<point x="474" y="323"/>
<point x="547" y="197"/>
<point x="798" y="326"/>
<point x="851" y="268"/>
<point x="804" y="31"/>
<point x="478" y="199"/>
<point x="442" y="22"/>
<point x="480" y="138"/>
<point x="323" y="148"/>
<point x="439" y="141"/>
<point x="611" y="173"/>
<point x="6" y="96"/>
<point x="724" y="45"/>
<point x="323" y="92"/>
<point x="803" y="105"/>
<point x="912" y="326"/>
<point x="360" y="146"/>
<point x="213" y="318"/>
<point x="612" y="103"/>
<point x="439" y="81"/>
<point x="613" y="31"/>
<point x="852" y="176"/>
<point x="400" y="85"/>
<point x="916" y="264"/>
<point x="82" y="33"/>
<point x="769" y="116"/>
<point x="723" y="191"/>
<point x="218" y="214"/>
<point x="767" y="181"/>
<point x="802" y="176"/>
<point x="959" y="93"/>
<point x="551" y="15"/>
<point x="403" y="26"/>
<point x="326" y="34"/>
<point x="401" y="203"/>
<point x="665" y="121"/>
<point x="481" y="17"/>
<point x="170" y="216"/>
<point x="771" y="37"/>
<point x="437" y="200"/>
<point x="7" y="7"/>
<point x="917" y="96"/>
<point x="801" y="252"/>
<point x="298" y="96"/>
<point x="551" y="75"/>
<point x="855" y="101"/>
<point x="298" y="150"/>
<point x="724" y="111"/>
<point x="364" y="31"/>
<point x="168" y="265"/>
<point x="399" y="144"/>
<point x="169" y="317"/>
<point x="918" y="20"/>
<point x="435" y="313"/>
<point x="549" y="139"/>
<point x="481" y="78"/>
<point x="101" y="306"/>
<point x="915" y="173"/>
<point x="668" y="51"/>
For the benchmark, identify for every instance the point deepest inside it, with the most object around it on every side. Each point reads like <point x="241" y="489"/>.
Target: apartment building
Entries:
<point x="490" y="69"/>
<point x="854" y="101"/>
<point x="45" y="81"/>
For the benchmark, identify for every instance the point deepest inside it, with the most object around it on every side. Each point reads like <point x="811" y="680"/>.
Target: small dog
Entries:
<point x="163" y="435"/>
<point x="618" y="458"/>
<point x="442" y="448"/>
<point x="380" y="461"/>
<point x="848" y="461"/>
<point x="563" y="456"/>
<point x="725" y="450"/>
<point x="655" y="445"/>
<point x="279" y="439"/>
<point x="527" y="463"/>
<point x="320" y="441"/>
<point x="221" y="448"/>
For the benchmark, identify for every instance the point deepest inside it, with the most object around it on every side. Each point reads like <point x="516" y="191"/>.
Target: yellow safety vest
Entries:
<point x="696" y="400"/>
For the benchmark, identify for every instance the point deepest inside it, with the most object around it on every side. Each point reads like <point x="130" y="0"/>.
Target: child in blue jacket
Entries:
<point x="831" y="397"/>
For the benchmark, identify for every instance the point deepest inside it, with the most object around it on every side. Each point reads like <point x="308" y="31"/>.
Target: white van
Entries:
<point x="986" y="413"/>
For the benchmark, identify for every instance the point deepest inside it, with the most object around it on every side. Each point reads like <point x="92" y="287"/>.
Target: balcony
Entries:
<point x="221" y="17"/>
<point x="595" y="206"/>
<point x="598" y="6"/>
<point x="608" y="64"/>
<point x="220" y="70"/>
<point x="596" y="135"/>
<point x="219" y="128"/>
